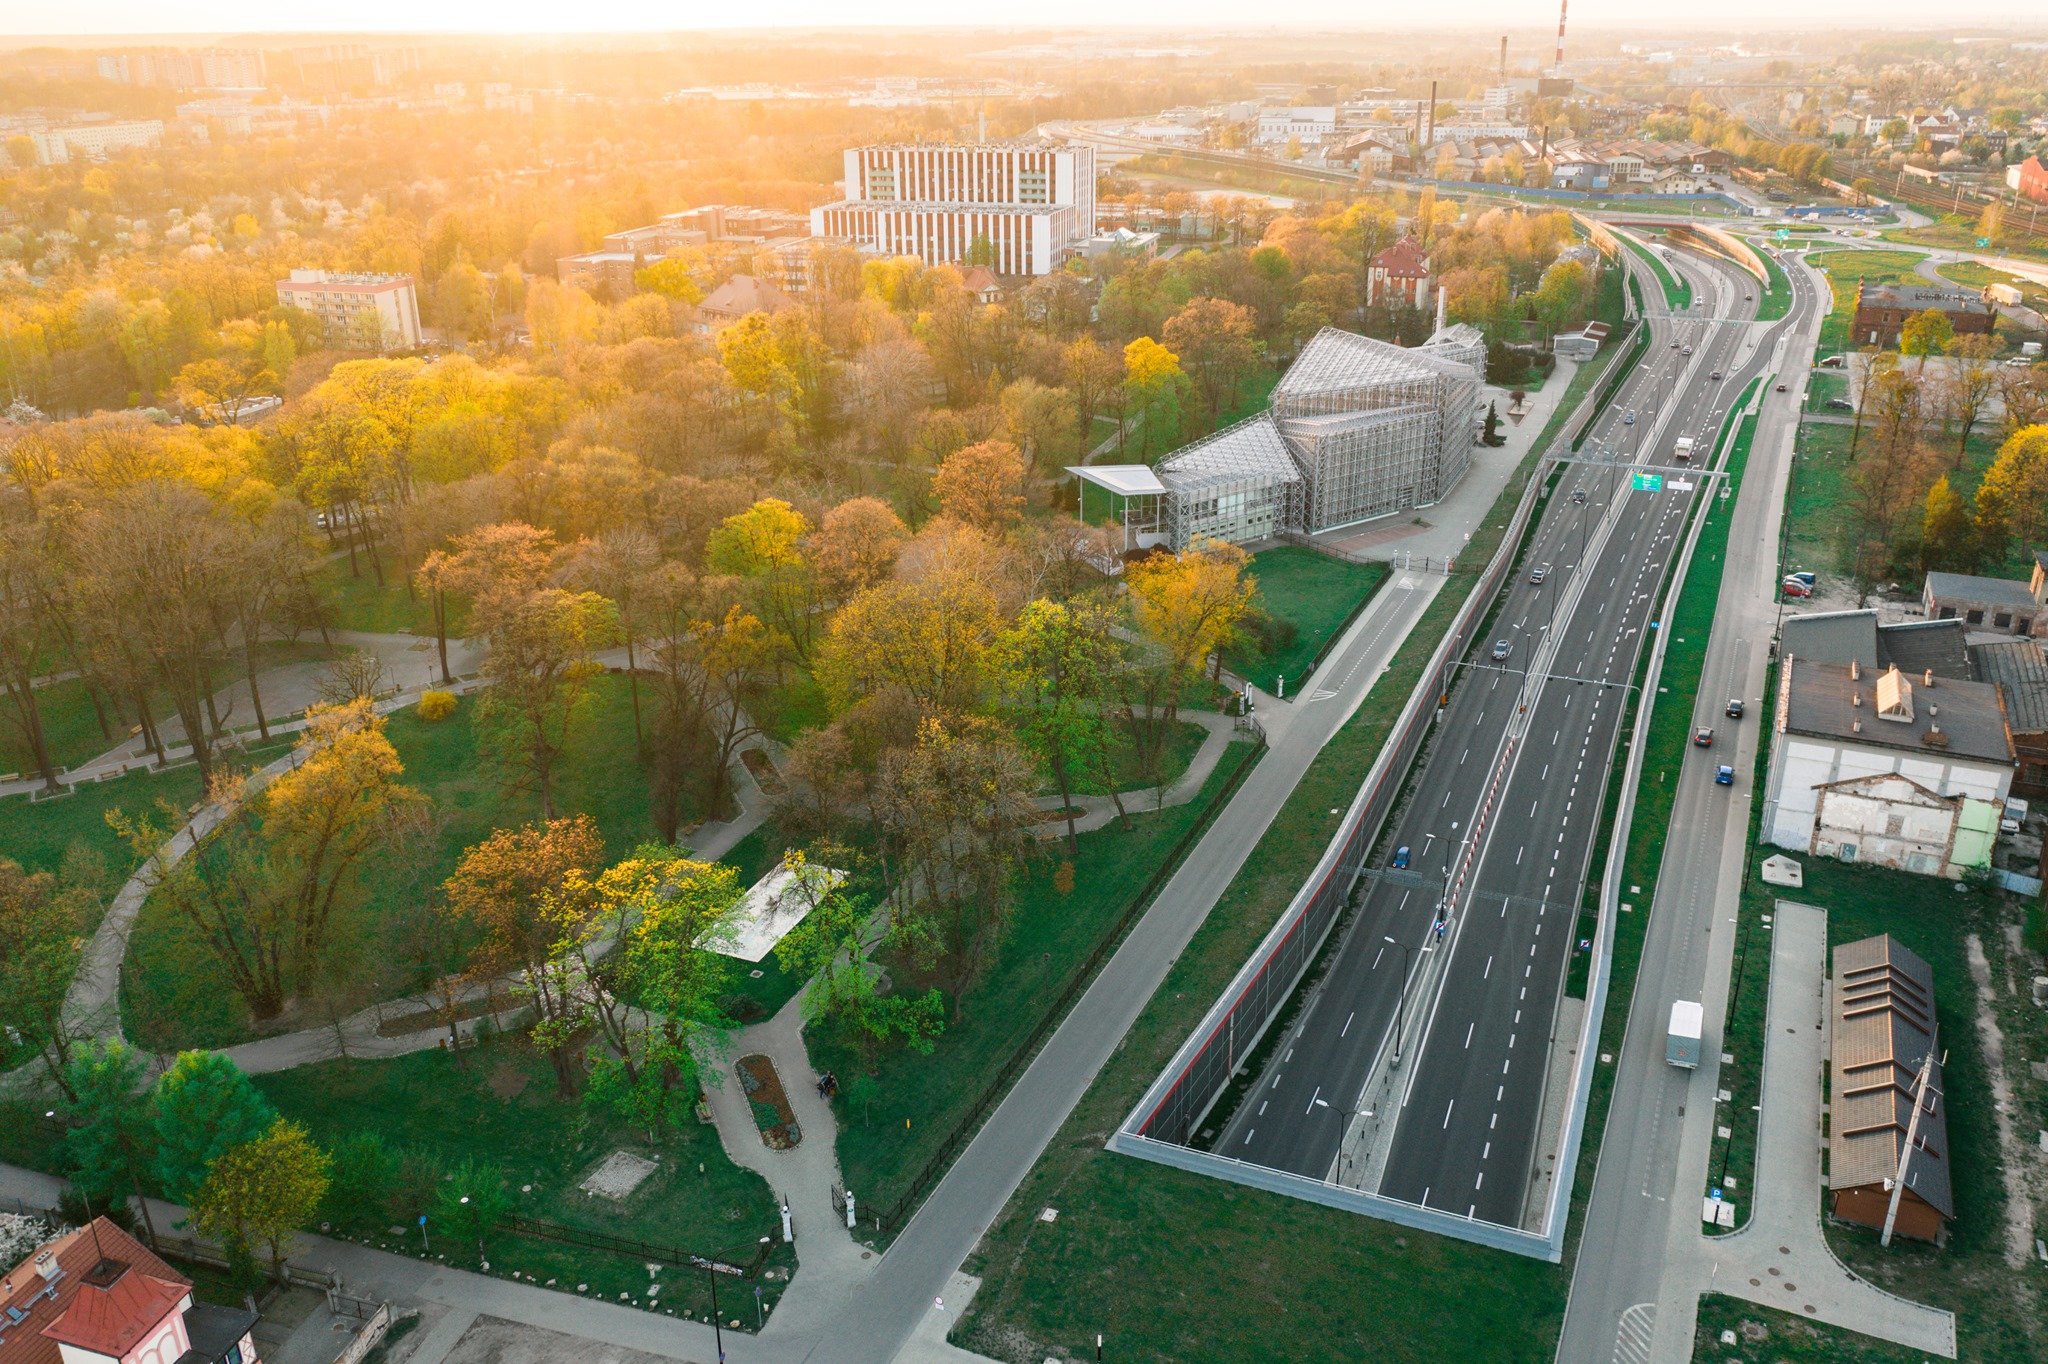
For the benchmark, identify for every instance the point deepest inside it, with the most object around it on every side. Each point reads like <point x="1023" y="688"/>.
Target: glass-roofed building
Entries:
<point x="1357" y="428"/>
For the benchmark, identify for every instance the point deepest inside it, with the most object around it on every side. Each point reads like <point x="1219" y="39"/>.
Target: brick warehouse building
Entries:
<point x="1882" y="311"/>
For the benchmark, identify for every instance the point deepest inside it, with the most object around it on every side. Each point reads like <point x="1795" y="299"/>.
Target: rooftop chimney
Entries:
<point x="1929" y="679"/>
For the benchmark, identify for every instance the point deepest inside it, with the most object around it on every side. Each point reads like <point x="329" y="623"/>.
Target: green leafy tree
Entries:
<point x="1054" y="669"/>
<point x="1926" y="333"/>
<point x="112" y="1140"/>
<point x="262" y="1191"/>
<point x="473" y="1201"/>
<point x="671" y="279"/>
<point x="205" y="1106"/>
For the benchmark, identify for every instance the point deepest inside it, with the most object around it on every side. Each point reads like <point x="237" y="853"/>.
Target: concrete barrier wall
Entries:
<point x="1329" y="1195"/>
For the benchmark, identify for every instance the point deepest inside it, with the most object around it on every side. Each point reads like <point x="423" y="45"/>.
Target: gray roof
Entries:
<point x="2020" y="670"/>
<point x="1969" y="587"/>
<point x="1831" y="637"/>
<point x="1884" y="1026"/>
<point x="1915" y="645"/>
<point x="1971" y="722"/>
<point x="1922" y="646"/>
<point x="1919" y="298"/>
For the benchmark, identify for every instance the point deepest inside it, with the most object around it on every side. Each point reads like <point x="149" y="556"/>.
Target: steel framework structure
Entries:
<point x="1239" y="484"/>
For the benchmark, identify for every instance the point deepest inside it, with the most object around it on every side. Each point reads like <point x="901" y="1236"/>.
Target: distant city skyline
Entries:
<point x="96" y="19"/>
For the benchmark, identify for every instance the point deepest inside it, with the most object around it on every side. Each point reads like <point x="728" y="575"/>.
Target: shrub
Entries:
<point x="436" y="705"/>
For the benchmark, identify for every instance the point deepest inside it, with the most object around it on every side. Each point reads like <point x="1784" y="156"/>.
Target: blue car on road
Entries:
<point x="1401" y="857"/>
<point x="1724" y="775"/>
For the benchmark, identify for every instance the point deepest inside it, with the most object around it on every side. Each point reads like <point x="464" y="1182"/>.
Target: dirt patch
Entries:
<point x="763" y="768"/>
<point x="620" y="1174"/>
<point x="1059" y="815"/>
<point x="2019" y="1208"/>
<point x="508" y="1081"/>
<point x="493" y="1340"/>
<point x="768" y="1103"/>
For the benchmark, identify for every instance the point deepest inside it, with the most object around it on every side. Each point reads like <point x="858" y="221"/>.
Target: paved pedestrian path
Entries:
<point x="1781" y="1258"/>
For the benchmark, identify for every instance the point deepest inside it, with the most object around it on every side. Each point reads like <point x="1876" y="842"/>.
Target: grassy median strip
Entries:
<point x="1677" y="293"/>
<point x="1777" y="298"/>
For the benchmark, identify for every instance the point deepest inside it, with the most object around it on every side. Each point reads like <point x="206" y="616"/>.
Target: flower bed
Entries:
<point x="770" y="1106"/>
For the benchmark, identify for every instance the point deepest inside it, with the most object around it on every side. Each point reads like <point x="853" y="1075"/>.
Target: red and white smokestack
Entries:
<point x="1562" y="7"/>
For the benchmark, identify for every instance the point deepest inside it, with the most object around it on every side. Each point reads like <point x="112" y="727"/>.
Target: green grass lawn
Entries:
<point x="1777" y="295"/>
<point x="1968" y="1275"/>
<point x="356" y="602"/>
<point x="1819" y="506"/>
<point x="1314" y="592"/>
<point x="174" y="994"/>
<point x="1764" y="1335"/>
<point x="1975" y="276"/>
<point x="502" y="1108"/>
<point x="1824" y="384"/>
<point x="37" y="834"/>
<point x="922" y="1099"/>
<point x="1846" y="270"/>
<point x="1960" y="233"/>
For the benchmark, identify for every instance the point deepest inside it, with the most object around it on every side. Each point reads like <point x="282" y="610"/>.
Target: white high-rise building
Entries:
<point x="1028" y="206"/>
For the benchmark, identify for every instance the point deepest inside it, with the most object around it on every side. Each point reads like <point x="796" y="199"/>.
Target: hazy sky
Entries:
<point x="229" y="16"/>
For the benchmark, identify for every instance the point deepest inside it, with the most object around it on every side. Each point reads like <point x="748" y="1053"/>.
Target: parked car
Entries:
<point x="1400" y="862"/>
<point x="1501" y="649"/>
<point x="1734" y="711"/>
<point x="1539" y="573"/>
<point x="1839" y="405"/>
<point x="1792" y="587"/>
<point x="1724" y="775"/>
<point x="1834" y="362"/>
<point x="1806" y="576"/>
<point x="1703" y="737"/>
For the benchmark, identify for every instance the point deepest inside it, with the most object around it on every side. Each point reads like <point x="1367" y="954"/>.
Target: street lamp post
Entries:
<point x="1400" y="1000"/>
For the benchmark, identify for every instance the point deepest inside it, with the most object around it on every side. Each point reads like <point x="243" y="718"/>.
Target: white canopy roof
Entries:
<point x="1128" y="480"/>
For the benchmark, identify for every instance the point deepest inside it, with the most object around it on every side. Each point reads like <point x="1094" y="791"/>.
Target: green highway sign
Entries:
<point x="1647" y="483"/>
<point x="1983" y="241"/>
<point x="1783" y="233"/>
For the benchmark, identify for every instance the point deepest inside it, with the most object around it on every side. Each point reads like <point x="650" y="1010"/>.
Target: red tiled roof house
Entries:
<point x="98" y="1296"/>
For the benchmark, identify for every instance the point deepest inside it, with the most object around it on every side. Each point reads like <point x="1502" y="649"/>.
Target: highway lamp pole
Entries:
<point x="1400" y="1000"/>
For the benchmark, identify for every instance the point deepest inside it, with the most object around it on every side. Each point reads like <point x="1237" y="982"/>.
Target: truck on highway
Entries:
<point x="1683" y="451"/>
<point x="1682" y="1039"/>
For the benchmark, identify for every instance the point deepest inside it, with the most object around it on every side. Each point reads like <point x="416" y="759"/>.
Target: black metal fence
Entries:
<point x="999" y="1085"/>
<point x="539" y="1230"/>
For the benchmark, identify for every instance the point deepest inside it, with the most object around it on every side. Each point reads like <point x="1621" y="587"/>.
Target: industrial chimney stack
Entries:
<point x="1562" y="7"/>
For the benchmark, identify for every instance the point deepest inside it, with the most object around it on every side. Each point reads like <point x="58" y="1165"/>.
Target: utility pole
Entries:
<point x="1920" y="1105"/>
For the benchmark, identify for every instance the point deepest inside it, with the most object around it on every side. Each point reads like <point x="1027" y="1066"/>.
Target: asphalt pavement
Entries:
<point x="1499" y="826"/>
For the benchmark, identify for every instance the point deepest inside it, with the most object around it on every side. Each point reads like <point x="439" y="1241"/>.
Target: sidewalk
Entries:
<point x="1781" y="1259"/>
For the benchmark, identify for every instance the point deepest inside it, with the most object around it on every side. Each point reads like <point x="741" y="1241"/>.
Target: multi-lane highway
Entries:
<point x="1499" y="826"/>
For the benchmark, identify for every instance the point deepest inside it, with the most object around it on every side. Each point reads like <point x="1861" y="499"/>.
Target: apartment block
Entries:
<point x="56" y="146"/>
<point x="357" y="312"/>
<point x="1026" y="206"/>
